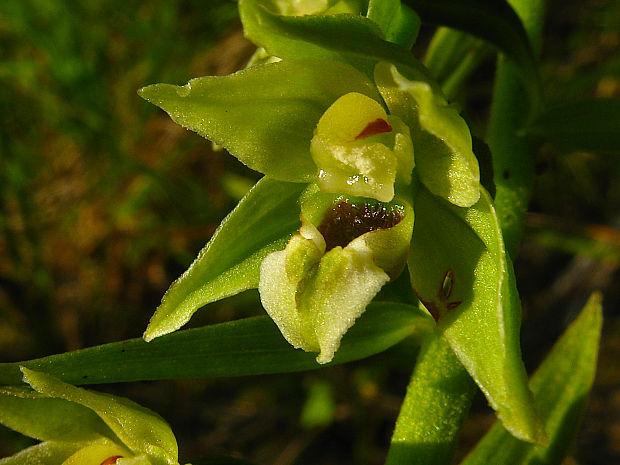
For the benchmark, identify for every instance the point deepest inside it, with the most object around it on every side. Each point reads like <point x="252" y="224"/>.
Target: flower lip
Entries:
<point x="347" y="220"/>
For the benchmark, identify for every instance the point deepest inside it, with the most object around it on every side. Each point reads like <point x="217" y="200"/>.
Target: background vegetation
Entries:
<point x="104" y="201"/>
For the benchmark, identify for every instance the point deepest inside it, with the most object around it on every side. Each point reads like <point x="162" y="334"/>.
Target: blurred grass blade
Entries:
<point x="493" y="21"/>
<point x="437" y="401"/>
<point x="590" y="125"/>
<point x="452" y="57"/>
<point x="238" y="348"/>
<point x="560" y="386"/>
<point x="230" y="263"/>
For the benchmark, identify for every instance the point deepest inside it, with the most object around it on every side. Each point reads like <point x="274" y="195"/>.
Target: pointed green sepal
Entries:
<point x="264" y="115"/>
<point x="560" y="386"/>
<point x="460" y="271"/>
<point x="261" y="223"/>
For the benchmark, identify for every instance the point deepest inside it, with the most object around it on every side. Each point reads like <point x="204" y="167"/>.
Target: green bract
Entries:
<point x="80" y="427"/>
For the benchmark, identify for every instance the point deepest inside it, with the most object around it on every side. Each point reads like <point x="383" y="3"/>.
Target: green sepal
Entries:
<point x="399" y="23"/>
<point x="460" y="271"/>
<point x="356" y="40"/>
<point x="261" y="223"/>
<point x="264" y="115"/>
<point x="137" y="428"/>
<point x="45" y="453"/>
<point x="442" y="144"/>
<point x="560" y="386"/>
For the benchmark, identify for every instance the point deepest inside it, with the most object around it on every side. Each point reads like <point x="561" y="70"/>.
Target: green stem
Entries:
<point x="513" y="155"/>
<point x="437" y="402"/>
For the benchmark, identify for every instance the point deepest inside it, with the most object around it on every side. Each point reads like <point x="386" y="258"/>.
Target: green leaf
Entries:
<point x="238" y="348"/>
<point x="261" y="223"/>
<point x="591" y="125"/>
<point x="561" y="386"/>
<point x="46" y="453"/>
<point x="351" y="39"/>
<point x="23" y="410"/>
<point x="459" y="270"/>
<point x="399" y="23"/>
<point x="264" y="115"/>
<point x="437" y="401"/>
<point x="137" y="427"/>
<point x="493" y="21"/>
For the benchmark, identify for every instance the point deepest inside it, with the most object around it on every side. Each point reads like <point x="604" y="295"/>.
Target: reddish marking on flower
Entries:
<point x="378" y="126"/>
<point x="347" y="220"/>
<point x="433" y="309"/>
<point x="111" y="460"/>
<point x="453" y="305"/>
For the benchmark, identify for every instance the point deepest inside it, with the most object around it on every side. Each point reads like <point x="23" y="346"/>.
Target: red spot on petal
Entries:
<point x="378" y="126"/>
<point x="111" y="460"/>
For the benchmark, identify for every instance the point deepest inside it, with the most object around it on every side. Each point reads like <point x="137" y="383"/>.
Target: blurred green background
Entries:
<point x="104" y="201"/>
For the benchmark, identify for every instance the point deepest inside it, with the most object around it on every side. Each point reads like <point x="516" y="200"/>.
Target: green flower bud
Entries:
<point x="82" y="427"/>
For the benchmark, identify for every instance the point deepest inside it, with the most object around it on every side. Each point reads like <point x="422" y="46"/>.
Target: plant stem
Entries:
<point x="437" y="402"/>
<point x="513" y="155"/>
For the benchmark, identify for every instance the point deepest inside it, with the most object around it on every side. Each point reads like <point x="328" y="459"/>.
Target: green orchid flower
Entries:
<point x="367" y="167"/>
<point x="81" y="427"/>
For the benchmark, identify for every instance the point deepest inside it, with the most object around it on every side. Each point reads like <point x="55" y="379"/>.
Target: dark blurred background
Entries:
<point x="104" y="201"/>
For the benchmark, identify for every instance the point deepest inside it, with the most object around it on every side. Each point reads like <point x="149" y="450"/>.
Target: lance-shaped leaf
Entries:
<point x="250" y="346"/>
<point x="261" y="223"/>
<point x="137" y="428"/>
<point x="356" y="40"/>
<point x="445" y="162"/>
<point x="264" y="115"/>
<point x="560" y="386"/>
<point x="459" y="270"/>
<point x="399" y="23"/>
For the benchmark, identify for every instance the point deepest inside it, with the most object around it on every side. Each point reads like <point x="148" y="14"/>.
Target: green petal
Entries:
<point x="138" y="428"/>
<point x="459" y="270"/>
<point x="261" y="223"/>
<point x="561" y="386"/>
<point x="46" y="453"/>
<point x="24" y="410"/>
<point x="442" y="143"/>
<point x="264" y="115"/>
